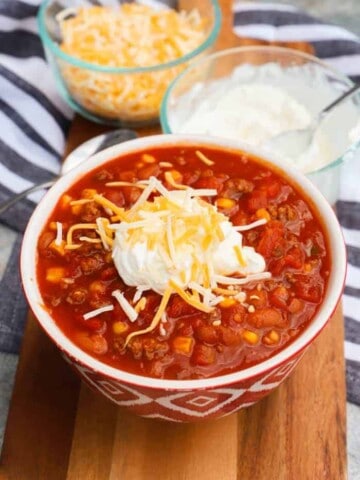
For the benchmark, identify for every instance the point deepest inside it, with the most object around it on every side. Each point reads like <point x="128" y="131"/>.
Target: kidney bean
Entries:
<point x="203" y="355"/>
<point x="266" y="317"/>
<point x="207" y="334"/>
<point x="228" y="336"/>
<point x="279" y="297"/>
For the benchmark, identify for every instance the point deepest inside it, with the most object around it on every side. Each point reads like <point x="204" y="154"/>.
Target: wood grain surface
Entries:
<point x="60" y="430"/>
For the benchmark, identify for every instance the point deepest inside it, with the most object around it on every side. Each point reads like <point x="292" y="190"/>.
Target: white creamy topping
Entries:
<point x="255" y="113"/>
<point x="168" y="258"/>
<point x="252" y="113"/>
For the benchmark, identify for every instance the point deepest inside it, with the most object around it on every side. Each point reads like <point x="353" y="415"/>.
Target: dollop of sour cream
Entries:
<point x="255" y="113"/>
<point x="180" y="238"/>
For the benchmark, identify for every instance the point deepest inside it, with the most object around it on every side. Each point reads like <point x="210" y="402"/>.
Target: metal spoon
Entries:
<point x="81" y="153"/>
<point x="295" y="142"/>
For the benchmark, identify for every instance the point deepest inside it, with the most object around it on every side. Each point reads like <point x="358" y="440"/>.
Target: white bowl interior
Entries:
<point x="29" y="260"/>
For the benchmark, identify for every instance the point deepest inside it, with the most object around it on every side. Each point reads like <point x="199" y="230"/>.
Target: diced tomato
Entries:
<point x="272" y="188"/>
<point x="308" y="291"/>
<point x="257" y="199"/>
<point x="240" y="218"/>
<point x="295" y="257"/>
<point x="272" y="240"/>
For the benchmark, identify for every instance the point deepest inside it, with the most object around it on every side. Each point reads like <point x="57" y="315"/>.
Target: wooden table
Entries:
<point x="58" y="429"/>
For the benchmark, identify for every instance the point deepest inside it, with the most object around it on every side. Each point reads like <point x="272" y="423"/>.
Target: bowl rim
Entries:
<point x="164" y="123"/>
<point x="28" y="260"/>
<point x="54" y="48"/>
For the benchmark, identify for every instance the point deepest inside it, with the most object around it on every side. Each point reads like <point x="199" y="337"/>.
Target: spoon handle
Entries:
<point x="338" y="100"/>
<point x="8" y="203"/>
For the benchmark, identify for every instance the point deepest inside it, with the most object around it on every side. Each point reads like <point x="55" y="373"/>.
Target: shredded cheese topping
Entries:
<point x="131" y="35"/>
<point x="173" y="242"/>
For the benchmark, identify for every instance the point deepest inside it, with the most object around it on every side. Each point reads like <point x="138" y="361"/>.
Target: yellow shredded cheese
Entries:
<point x="163" y="304"/>
<point x="181" y="292"/>
<point x="78" y="226"/>
<point x="204" y="158"/>
<point x="125" y="184"/>
<point x="108" y="204"/>
<point x="240" y="256"/>
<point x="171" y="181"/>
<point x="131" y="35"/>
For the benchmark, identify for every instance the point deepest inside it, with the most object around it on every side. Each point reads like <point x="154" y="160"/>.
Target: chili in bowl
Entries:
<point x="183" y="277"/>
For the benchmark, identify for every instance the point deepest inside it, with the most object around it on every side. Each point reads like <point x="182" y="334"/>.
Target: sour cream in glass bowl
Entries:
<point x="252" y="94"/>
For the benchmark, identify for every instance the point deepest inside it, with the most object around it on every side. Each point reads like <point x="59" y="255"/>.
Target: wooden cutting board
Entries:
<point x="60" y="430"/>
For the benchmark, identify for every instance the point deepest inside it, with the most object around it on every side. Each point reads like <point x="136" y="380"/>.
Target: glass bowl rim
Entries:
<point x="54" y="48"/>
<point x="165" y="127"/>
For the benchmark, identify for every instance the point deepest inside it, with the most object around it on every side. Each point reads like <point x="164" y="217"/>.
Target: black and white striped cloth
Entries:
<point x="34" y="123"/>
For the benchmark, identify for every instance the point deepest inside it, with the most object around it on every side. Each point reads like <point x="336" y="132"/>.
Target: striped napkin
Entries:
<point x="34" y="123"/>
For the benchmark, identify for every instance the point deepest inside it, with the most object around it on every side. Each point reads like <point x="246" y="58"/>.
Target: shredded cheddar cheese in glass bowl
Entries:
<point x="114" y="62"/>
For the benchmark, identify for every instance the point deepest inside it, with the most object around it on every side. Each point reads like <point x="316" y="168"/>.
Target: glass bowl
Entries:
<point x="119" y="96"/>
<point x="311" y="82"/>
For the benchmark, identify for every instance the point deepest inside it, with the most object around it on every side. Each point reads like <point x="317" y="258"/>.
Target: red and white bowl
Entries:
<point x="183" y="400"/>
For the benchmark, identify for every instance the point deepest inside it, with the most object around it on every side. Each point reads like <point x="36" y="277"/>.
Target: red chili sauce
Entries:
<point x="192" y="344"/>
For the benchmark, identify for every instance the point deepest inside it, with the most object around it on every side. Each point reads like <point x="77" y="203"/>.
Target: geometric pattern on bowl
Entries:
<point x="187" y="405"/>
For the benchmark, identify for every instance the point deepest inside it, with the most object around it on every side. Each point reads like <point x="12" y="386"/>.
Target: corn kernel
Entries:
<point x="271" y="338"/>
<point x="53" y="226"/>
<point x="263" y="213"/>
<point x="60" y="249"/>
<point x="225" y="202"/>
<point x="183" y="345"/>
<point x="65" y="200"/>
<point x="88" y="192"/>
<point x="76" y="209"/>
<point x="120" y="327"/>
<point x="145" y="157"/>
<point x="141" y="304"/>
<point x="307" y="267"/>
<point x="227" y="302"/>
<point x="55" y="274"/>
<point x="250" y="337"/>
<point x="177" y="176"/>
